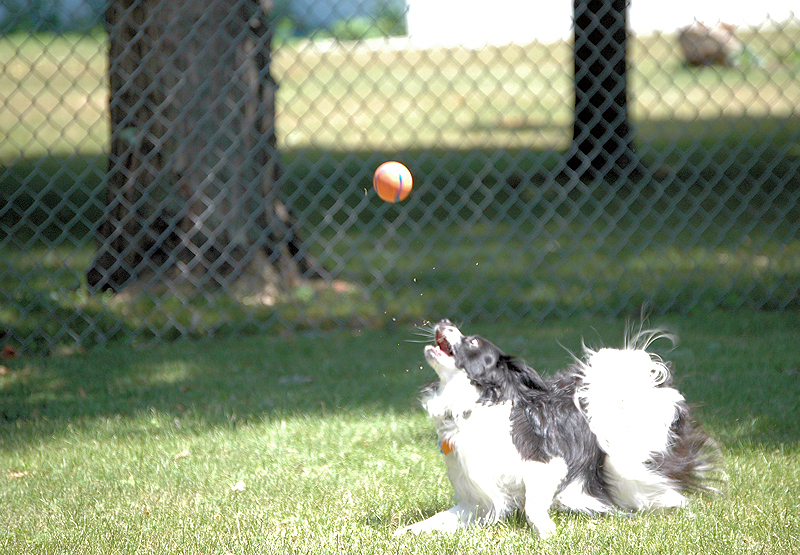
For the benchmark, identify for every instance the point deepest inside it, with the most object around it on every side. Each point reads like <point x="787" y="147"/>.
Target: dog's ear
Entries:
<point x="499" y="376"/>
<point x="528" y="379"/>
<point x="476" y="356"/>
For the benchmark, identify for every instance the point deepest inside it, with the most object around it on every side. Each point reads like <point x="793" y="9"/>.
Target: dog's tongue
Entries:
<point x="443" y="344"/>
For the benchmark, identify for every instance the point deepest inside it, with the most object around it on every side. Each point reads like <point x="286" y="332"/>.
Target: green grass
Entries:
<point x="120" y="451"/>
<point x="509" y="272"/>
<point x="54" y="95"/>
<point x="353" y="99"/>
<point x="482" y="132"/>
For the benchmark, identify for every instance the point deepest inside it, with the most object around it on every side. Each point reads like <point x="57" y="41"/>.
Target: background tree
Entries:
<point x="602" y="138"/>
<point x="193" y="177"/>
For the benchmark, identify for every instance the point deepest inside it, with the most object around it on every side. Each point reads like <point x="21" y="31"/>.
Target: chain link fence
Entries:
<point x="173" y="169"/>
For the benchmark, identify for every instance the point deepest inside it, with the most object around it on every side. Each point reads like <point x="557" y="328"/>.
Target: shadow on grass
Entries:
<point x="740" y="368"/>
<point x="488" y="234"/>
<point x="215" y="382"/>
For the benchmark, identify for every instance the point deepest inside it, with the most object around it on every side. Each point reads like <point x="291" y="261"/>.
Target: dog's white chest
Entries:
<point x="463" y="421"/>
<point x="482" y="462"/>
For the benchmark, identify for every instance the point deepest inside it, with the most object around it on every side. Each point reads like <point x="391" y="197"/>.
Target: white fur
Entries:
<point x="626" y="409"/>
<point x="631" y="417"/>
<point x="480" y="436"/>
<point x="574" y="498"/>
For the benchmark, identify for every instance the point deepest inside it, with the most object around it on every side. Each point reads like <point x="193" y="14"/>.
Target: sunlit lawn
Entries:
<point x="315" y="444"/>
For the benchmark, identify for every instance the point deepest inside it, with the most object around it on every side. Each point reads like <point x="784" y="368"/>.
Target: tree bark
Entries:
<point x="193" y="177"/>
<point x="602" y="140"/>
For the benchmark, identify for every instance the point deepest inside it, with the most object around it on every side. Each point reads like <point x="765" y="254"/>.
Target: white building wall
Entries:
<point x="474" y="23"/>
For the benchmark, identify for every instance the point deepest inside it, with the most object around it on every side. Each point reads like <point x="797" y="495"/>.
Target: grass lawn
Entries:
<point x="316" y="444"/>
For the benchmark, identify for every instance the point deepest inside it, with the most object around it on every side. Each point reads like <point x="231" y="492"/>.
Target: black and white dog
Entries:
<point x="609" y="433"/>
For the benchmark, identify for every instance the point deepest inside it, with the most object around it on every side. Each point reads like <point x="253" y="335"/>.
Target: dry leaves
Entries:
<point x="9" y="352"/>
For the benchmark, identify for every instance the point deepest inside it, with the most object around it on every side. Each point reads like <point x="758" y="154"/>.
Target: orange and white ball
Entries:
<point x="392" y="181"/>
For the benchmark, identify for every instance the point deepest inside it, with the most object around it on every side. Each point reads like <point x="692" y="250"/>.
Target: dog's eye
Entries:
<point x="475" y="342"/>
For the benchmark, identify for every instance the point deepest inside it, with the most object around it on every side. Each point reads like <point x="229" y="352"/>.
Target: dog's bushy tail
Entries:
<point x="693" y="460"/>
<point x="655" y="452"/>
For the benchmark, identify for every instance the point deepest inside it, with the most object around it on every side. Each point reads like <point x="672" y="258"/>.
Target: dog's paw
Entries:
<point x="546" y="532"/>
<point x="544" y="526"/>
<point x="405" y="531"/>
<point x="446" y="522"/>
<point x="425" y="527"/>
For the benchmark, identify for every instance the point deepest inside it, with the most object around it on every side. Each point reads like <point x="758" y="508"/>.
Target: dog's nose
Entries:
<point x="446" y="327"/>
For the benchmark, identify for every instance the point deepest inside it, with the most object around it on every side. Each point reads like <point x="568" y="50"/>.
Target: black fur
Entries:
<point x="691" y="454"/>
<point x="499" y="376"/>
<point x="546" y="423"/>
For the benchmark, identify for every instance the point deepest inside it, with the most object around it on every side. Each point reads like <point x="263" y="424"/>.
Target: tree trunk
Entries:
<point x="193" y="178"/>
<point x="602" y="139"/>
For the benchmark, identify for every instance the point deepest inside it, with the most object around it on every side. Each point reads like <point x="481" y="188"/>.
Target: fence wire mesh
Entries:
<point x="175" y="168"/>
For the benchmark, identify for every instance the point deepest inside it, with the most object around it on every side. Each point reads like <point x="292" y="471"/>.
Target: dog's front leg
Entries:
<point x="454" y="518"/>
<point x="542" y="481"/>
<point x="539" y="519"/>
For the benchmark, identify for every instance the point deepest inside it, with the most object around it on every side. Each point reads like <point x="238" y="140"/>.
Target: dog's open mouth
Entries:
<point x="443" y="343"/>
